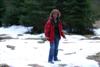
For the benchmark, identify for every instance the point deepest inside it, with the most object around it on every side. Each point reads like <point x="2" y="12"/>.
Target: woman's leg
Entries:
<point x="51" y="52"/>
<point x="56" y="49"/>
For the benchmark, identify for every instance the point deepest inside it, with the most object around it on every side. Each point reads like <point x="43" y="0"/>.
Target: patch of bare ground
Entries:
<point x="35" y="65"/>
<point x="97" y="24"/>
<point x="4" y="65"/>
<point x="95" y="57"/>
<point x="88" y="36"/>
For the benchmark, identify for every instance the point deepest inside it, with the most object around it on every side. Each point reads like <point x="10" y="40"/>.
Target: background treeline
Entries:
<point x="77" y="15"/>
<point x="95" y="5"/>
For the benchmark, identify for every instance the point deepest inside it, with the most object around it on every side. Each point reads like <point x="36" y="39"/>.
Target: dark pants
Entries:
<point x="53" y="50"/>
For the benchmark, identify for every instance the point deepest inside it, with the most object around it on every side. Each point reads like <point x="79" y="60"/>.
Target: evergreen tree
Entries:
<point x="41" y="10"/>
<point x="95" y="8"/>
<point x="10" y="13"/>
<point x="77" y="15"/>
<point x="27" y="12"/>
<point x="31" y="14"/>
<point x="1" y="11"/>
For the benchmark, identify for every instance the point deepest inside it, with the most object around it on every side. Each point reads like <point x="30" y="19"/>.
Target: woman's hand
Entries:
<point x="47" y="38"/>
<point x="64" y="37"/>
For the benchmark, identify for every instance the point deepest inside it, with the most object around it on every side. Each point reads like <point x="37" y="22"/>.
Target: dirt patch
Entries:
<point x="35" y="65"/>
<point x="7" y="37"/>
<point x="95" y="57"/>
<point x="62" y="65"/>
<point x="4" y="65"/>
<point x="11" y="47"/>
<point x="70" y="53"/>
<point x="97" y="24"/>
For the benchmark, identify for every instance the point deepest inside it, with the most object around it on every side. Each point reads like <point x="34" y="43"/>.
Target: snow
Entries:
<point x="72" y="51"/>
<point x="97" y="31"/>
<point x="14" y="29"/>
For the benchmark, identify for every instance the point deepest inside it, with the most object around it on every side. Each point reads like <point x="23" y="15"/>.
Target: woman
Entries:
<point x="53" y="32"/>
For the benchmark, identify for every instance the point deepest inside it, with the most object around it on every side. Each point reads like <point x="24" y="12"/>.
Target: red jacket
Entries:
<point x="49" y="30"/>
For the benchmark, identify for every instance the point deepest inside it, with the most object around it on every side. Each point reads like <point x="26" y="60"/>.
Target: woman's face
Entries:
<point x="55" y="15"/>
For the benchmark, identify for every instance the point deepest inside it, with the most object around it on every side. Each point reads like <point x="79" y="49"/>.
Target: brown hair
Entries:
<point x="53" y="11"/>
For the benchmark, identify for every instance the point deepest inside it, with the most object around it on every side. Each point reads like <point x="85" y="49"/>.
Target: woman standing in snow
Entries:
<point x="53" y="32"/>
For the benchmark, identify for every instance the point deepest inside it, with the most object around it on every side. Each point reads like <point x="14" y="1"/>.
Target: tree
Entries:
<point x="1" y="11"/>
<point x="31" y="14"/>
<point x="77" y="15"/>
<point x="95" y="8"/>
<point x="41" y="10"/>
<point x="27" y="12"/>
<point x="10" y="16"/>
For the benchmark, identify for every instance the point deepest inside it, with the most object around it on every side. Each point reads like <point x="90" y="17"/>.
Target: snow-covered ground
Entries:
<point x="30" y="49"/>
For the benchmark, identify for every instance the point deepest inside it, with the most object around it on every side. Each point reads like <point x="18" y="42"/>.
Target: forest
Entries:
<point x="77" y="16"/>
